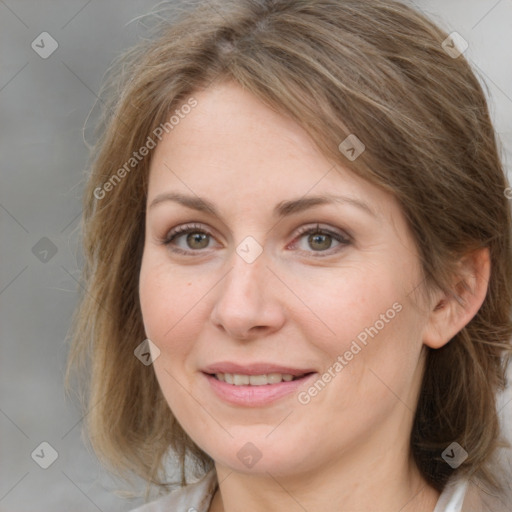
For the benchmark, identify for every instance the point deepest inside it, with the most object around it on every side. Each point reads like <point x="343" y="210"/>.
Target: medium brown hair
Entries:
<point x="376" y="69"/>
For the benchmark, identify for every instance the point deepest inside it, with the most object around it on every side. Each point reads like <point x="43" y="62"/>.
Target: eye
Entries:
<point x="319" y="240"/>
<point x="188" y="238"/>
<point x="194" y="238"/>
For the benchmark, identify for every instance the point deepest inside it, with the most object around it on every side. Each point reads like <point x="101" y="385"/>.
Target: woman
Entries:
<point x="298" y="264"/>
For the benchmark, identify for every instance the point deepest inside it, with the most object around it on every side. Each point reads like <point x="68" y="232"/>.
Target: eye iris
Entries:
<point x="197" y="240"/>
<point x="319" y="242"/>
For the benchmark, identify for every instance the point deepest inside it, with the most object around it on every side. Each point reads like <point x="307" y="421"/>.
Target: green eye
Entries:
<point x="188" y="238"/>
<point x="193" y="239"/>
<point x="319" y="241"/>
<point x="196" y="240"/>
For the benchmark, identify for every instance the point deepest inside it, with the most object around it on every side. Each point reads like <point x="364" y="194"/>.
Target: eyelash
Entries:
<point x="185" y="229"/>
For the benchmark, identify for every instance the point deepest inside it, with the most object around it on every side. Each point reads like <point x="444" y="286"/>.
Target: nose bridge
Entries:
<point x="244" y="282"/>
<point x="243" y="302"/>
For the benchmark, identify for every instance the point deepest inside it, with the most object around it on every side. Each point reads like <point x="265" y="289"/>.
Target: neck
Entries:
<point x="387" y="483"/>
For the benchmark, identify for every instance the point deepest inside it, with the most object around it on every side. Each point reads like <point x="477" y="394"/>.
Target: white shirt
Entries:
<point x="197" y="497"/>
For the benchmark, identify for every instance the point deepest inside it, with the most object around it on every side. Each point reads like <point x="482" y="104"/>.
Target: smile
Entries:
<point x="254" y="385"/>
<point x="238" y="379"/>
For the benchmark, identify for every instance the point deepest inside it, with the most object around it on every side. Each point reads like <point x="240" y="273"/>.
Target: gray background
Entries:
<point x="44" y="104"/>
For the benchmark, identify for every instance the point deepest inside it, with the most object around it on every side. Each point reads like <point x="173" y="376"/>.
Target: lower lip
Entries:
<point x="255" y="396"/>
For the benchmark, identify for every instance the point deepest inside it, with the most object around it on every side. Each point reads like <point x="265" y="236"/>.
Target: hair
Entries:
<point x="376" y="69"/>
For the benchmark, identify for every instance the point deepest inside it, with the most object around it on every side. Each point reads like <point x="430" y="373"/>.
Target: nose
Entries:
<point x="247" y="305"/>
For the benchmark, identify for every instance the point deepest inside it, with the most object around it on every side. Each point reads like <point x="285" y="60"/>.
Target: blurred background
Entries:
<point x="53" y="55"/>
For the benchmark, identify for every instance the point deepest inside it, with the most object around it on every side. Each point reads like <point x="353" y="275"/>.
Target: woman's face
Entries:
<point x="280" y="263"/>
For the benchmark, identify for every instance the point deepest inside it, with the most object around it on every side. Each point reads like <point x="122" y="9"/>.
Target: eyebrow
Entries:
<point x="282" y="209"/>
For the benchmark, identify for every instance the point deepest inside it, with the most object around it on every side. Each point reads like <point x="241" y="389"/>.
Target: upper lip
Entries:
<point x="254" y="369"/>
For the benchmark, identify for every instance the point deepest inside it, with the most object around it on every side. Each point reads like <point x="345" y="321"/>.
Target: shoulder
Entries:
<point x="195" y="497"/>
<point x="478" y="499"/>
<point x="453" y="496"/>
<point x="462" y="495"/>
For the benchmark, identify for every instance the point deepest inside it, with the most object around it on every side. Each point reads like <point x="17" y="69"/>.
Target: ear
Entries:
<point x="451" y="312"/>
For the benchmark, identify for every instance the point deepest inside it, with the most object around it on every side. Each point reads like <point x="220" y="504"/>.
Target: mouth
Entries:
<point x="265" y="379"/>
<point x="255" y="385"/>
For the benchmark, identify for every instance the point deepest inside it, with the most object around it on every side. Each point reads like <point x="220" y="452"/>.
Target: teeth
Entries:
<point x="274" y="378"/>
<point x="240" y="380"/>
<point x="257" y="380"/>
<point x="254" y="380"/>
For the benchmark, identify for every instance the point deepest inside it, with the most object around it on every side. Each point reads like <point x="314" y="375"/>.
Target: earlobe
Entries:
<point x="452" y="311"/>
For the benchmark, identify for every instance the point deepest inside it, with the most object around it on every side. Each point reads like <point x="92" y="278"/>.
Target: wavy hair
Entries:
<point x="375" y="68"/>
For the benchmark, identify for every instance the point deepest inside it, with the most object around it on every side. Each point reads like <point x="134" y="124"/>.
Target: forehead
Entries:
<point x="234" y="148"/>
<point x="231" y="123"/>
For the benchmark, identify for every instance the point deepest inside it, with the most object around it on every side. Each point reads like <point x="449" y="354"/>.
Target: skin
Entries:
<point x="348" y="448"/>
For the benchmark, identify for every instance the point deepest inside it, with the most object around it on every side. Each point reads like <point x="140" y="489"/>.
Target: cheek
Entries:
<point x="171" y="305"/>
<point x="368" y="331"/>
<point x="167" y="299"/>
<point x="349" y="305"/>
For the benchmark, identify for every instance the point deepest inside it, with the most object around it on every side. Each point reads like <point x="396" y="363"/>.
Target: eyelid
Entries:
<point x="185" y="228"/>
<point x="341" y="236"/>
<point x="182" y="230"/>
<point x="318" y="227"/>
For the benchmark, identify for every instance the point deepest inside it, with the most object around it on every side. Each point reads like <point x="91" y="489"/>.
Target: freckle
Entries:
<point x="188" y="284"/>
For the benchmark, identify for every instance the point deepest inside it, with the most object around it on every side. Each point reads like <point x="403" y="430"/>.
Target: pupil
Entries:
<point x="197" y="240"/>
<point x="320" y="242"/>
